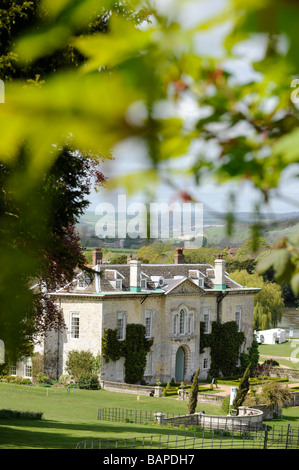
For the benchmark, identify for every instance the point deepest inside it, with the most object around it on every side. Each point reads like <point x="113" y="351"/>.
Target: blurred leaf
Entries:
<point x="123" y="41"/>
<point x="135" y="181"/>
<point x="288" y="147"/>
<point x="280" y="261"/>
<point x="295" y="284"/>
<point x="90" y="109"/>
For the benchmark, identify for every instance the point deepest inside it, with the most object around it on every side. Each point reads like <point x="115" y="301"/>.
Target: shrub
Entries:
<point x="88" y="381"/>
<point x="65" y="379"/>
<point x="225" y="404"/>
<point x="41" y="378"/>
<point x="15" y="414"/>
<point x="25" y="382"/>
<point x="80" y="362"/>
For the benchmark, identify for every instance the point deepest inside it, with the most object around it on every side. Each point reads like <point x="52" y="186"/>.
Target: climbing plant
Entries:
<point x="225" y="342"/>
<point x="134" y="349"/>
<point x="111" y="347"/>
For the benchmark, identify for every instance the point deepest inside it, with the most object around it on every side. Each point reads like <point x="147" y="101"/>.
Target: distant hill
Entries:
<point x="272" y="229"/>
<point x="275" y="225"/>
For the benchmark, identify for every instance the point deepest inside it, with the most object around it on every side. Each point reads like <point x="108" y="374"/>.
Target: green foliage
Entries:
<point x="72" y="73"/>
<point x="252" y="358"/>
<point x="88" y="381"/>
<point x="15" y="414"/>
<point x="111" y="347"/>
<point x="136" y="347"/>
<point x="157" y="252"/>
<point x="274" y="394"/>
<point x="42" y="378"/>
<point x="242" y="389"/>
<point x="193" y="394"/>
<point x="268" y="303"/>
<point x="251" y="248"/>
<point x="225" y="342"/>
<point x="225" y="405"/>
<point x="81" y="362"/>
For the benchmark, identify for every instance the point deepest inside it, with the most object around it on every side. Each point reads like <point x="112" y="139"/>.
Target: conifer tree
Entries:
<point x="193" y="394"/>
<point x="243" y="389"/>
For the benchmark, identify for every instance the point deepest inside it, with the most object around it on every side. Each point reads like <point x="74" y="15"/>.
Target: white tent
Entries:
<point x="273" y="336"/>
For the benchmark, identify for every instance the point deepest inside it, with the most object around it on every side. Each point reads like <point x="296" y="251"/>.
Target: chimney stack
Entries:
<point x="219" y="281"/>
<point x="97" y="256"/>
<point x="179" y="257"/>
<point x="135" y="268"/>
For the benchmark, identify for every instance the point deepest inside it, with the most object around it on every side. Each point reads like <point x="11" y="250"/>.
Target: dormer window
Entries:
<point x="158" y="281"/>
<point x="197" y="277"/>
<point x="143" y="284"/>
<point x="115" y="278"/>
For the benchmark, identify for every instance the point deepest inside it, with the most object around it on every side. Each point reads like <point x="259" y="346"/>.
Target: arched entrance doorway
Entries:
<point x="180" y="365"/>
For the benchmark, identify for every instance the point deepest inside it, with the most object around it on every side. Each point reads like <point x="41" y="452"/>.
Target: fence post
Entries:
<point x="266" y="437"/>
<point x="287" y="441"/>
<point x="159" y="418"/>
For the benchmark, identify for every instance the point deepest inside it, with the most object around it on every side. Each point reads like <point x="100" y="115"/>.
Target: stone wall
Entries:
<point x="248" y="418"/>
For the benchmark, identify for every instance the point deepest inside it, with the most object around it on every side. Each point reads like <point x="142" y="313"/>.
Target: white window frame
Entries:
<point x="12" y="369"/>
<point x="143" y="284"/>
<point x="182" y="321"/>
<point x="206" y="313"/>
<point x="238" y="312"/>
<point x="27" y="367"/>
<point x="148" y="323"/>
<point x="119" y="284"/>
<point x="75" y="325"/>
<point x="205" y="364"/>
<point x="121" y="326"/>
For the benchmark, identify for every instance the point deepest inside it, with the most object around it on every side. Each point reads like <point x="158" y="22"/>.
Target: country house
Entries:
<point x="170" y="300"/>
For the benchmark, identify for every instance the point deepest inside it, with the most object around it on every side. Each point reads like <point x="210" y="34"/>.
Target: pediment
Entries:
<point x="182" y="286"/>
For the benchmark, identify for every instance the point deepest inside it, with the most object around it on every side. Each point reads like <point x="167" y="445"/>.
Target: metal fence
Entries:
<point x="123" y="415"/>
<point x="269" y="438"/>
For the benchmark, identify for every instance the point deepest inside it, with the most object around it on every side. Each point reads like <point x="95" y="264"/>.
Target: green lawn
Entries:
<point x="72" y="417"/>
<point x="287" y="349"/>
<point x="69" y="418"/>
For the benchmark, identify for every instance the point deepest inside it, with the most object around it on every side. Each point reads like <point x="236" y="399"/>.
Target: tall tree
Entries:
<point x="37" y="221"/>
<point x="242" y="389"/>
<point x="268" y="303"/>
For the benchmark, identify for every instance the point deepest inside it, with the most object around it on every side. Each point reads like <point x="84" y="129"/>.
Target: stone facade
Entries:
<point x="170" y="300"/>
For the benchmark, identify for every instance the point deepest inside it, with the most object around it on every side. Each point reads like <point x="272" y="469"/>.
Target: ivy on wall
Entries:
<point x="134" y="349"/>
<point x="224" y="342"/>
<point x="111" y="347"/>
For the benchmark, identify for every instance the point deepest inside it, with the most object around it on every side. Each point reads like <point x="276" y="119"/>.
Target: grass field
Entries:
<point x="72" y="417"/>
<point x="287" y="349"/>
<point x="69" y="418"/>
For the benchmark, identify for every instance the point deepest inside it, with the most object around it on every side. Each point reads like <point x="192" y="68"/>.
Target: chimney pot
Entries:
<point x="97" y="256"/>
<point x="179" y="257"/>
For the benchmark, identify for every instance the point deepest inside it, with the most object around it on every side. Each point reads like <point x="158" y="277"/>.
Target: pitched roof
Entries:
<point x="104" y="280"/>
